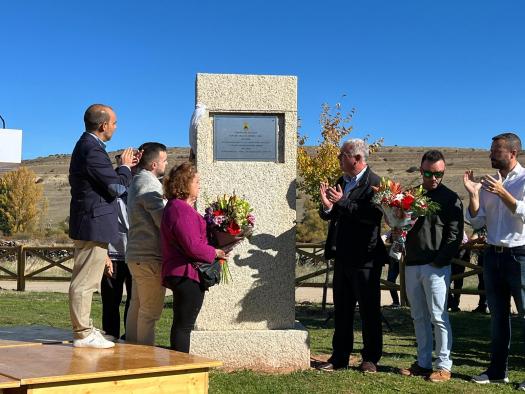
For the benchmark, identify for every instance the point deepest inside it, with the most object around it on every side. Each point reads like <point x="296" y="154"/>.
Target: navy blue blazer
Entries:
<point x="95" y="186"/>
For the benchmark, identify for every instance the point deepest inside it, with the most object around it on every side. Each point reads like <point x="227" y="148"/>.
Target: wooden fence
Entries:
<point x="313" y="253"/>
<point x="53" y="256"/>
<point x="56" y="256"/>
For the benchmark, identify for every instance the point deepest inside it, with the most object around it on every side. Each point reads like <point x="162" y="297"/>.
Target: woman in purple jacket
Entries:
<point x="184" y="242"/>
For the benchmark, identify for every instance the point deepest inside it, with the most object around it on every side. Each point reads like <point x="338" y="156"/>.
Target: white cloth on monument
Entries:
<point x="198" y="113"/>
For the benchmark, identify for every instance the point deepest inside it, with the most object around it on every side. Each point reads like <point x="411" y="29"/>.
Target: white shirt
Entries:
<point x="504" y="228"/>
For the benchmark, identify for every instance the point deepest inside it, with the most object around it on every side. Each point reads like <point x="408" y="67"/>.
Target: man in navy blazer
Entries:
<point x="93" y="221"/>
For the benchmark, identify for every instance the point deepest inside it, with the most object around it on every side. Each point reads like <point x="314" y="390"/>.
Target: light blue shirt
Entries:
<point x="350" y="184"/>
<point x="352" y="181"/>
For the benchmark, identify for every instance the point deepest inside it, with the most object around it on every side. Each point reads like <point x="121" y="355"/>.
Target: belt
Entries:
<point x="504" y="249"/>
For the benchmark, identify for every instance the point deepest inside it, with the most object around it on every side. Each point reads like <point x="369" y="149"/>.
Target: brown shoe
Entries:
<point x="368" y="367"/>
<point x="441" y="375"/>
<point x="415" y="370"/>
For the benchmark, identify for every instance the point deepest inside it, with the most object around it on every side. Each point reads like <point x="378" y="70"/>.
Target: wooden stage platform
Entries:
<point x="32" y="367"/>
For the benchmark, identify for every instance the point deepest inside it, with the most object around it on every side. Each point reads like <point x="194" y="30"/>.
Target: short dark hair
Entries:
<point x="95" y="115"/>
<point x="432" y="156"/>
<point x="150" y="153"/>
<point x="177" y="183"/>
<point x="512" y="141"/>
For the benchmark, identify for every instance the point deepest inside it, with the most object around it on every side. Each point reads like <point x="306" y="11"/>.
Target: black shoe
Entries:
<point x="481" y="309"/>
<point x="329" y="367"/>
<point x="454" y="309"/>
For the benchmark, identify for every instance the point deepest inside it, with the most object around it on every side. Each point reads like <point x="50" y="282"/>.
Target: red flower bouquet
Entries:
<point x="229" y="220"/>
<point x="401" y="209"/>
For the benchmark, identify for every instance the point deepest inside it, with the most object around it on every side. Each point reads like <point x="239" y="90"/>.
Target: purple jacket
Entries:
<point x="183" y="240"/>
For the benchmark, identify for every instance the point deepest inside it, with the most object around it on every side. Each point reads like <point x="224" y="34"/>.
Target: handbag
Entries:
<point x="209" y="274"/>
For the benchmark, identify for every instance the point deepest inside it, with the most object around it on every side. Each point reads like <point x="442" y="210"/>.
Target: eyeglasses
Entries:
<point x="344" y="154"/>
<point x="430" y="174"/>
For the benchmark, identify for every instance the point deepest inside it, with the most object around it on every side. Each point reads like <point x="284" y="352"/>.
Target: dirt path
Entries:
<point x="302" y="294"/>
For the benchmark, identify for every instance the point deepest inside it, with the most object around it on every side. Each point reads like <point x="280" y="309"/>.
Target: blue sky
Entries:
<point x="419" y="73"/>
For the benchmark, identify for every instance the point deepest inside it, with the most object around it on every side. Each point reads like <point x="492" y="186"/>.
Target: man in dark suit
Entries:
<point x="93" y="221"/>
<point x="355" y="243"/>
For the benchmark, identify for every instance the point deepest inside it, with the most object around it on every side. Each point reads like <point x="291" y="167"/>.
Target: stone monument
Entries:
<point x="246" y="143"/>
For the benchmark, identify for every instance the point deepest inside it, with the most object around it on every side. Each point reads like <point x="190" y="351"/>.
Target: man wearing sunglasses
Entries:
<point x="430" y="246"/>
<point x="498" y="202"/>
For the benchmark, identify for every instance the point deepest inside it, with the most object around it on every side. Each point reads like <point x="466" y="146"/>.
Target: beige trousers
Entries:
<point x="147" y="302"/>
<point x="88" y="268"/>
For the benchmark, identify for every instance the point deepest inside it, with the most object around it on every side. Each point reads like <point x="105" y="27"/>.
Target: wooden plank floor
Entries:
<point x="61" y="363"/>
<point x="6" y="382"/>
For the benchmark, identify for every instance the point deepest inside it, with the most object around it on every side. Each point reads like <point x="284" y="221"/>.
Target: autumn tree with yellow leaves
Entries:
<point x="22" y="203"/>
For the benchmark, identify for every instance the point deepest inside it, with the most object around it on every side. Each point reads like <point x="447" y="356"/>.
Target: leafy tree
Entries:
<point x="320" y="163"/>
<point x="21" y="201"/>
<point x="317" y="164"/>
<point x="312" y="228"/>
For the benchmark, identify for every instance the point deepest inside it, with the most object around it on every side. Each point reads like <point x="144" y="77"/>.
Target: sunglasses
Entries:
<point x="430" y="174"/>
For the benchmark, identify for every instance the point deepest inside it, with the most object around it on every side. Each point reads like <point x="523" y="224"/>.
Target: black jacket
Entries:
<point x="436" y="238"/>
<point x="354" y="234"/>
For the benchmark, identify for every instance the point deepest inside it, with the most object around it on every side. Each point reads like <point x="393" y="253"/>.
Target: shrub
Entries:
<point x="22" y="202"/>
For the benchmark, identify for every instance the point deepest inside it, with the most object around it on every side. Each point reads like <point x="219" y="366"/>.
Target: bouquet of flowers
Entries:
<point x="401" y="209"/>
<point x="229" y="220"/>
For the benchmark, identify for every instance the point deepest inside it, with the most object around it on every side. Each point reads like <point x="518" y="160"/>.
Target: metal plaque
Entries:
<point x="245" y="137"/>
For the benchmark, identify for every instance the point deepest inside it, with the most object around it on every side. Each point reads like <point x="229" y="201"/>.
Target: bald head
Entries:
<point x="96" y="115"/>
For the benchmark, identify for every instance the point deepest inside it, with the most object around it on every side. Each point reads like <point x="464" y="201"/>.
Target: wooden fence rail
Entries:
<point x="53" y="256"/>
<point x="56" y="256"/>
<point x="313" y="252"/>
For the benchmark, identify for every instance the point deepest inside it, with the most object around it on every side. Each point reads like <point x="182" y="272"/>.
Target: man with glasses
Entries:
<point x="143" y="253"/>
<point x="354" y="241"/>
<point x="430" y="246"/>
<point x="498" y="202"/>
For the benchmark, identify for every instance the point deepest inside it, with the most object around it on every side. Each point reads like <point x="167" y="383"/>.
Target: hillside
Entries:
<point x="388" y="161"/>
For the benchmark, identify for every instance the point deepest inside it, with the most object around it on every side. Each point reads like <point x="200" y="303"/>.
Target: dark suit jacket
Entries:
<point x="354" y="234"/>
<point x="95" y="185"/>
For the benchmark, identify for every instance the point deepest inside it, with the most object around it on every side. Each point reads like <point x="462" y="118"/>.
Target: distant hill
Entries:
<point x="54" y="170"/>
<point x="399" y="163"/>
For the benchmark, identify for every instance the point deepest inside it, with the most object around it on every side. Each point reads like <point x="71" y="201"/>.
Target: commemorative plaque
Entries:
<point x="245" y="137"/>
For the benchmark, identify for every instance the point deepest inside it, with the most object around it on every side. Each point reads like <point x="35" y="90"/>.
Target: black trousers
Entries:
<point x="352" y="285"/>
<point x="111" y="290"/>
<point x="187" y="302"/>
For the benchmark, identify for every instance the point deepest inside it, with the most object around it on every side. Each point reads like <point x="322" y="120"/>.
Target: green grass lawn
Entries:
<point x="470" y="351"/>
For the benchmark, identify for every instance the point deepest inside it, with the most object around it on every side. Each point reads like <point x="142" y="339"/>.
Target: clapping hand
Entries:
<point x="127" y="157"/>
<point x="323" y="192"/>
<point x="137" y="154"/>
<point x="471" y="186"/>
<point x="335" y="194"/>
<point x="493" y="185"/>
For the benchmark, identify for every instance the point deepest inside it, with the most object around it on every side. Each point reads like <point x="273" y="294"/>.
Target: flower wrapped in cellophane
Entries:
<point x="229" y="220"/>
<point x="401" y="208"/>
